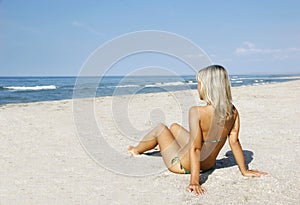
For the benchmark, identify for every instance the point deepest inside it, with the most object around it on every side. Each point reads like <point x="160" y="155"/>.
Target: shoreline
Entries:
<point x="43" y="162"/>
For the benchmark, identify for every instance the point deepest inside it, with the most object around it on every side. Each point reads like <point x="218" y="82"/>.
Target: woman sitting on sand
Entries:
<point x="191" y="151"/>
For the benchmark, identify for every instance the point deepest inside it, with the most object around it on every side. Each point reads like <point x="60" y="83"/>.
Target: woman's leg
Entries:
<point x="148" y="142"/>
<point x="169" y="148"/>
<point x="182" y="136"/>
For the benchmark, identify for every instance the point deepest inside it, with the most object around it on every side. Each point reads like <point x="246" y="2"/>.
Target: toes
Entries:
<point x="132" y="150"/>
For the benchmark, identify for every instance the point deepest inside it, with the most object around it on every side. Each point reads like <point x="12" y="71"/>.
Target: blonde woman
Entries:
<point x="188" y="152"/>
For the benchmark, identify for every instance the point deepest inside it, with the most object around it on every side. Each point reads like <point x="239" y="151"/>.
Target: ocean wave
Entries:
<point x="269" y="78"/>
<point x="256" y="81"/>
<point x="255" y="84"/>
<point x="237" y="81"/>
<point x="177" y="83"/>
<point x="125" y="86"/>
<point x="30" y="88"/>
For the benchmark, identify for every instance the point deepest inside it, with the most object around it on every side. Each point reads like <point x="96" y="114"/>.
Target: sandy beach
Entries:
<point x="43" y="161"/>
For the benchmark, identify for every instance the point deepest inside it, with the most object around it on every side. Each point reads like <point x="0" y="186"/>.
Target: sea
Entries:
<point x="36" y="89"/>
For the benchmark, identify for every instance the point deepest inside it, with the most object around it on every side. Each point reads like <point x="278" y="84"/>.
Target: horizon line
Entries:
<point x="254" y="73"/>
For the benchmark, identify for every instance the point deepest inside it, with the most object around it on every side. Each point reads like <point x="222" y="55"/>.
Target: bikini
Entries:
<point x="176" y="159"/>
<point x="186" y="171"/>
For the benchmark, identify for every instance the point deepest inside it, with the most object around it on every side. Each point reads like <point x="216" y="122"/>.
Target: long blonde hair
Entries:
<point x="215" y="90"/>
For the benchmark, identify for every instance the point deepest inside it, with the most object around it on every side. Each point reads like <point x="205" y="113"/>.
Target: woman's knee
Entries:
<point x="161" y="125"/>
<point x="174" y="127"/>
<point x="160" y="128"/>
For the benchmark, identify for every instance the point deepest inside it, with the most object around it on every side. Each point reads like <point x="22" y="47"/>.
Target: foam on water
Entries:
<point x="30" y="88"/>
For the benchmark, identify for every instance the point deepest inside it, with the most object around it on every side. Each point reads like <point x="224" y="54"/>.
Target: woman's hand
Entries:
<point x="254" y="173"/>
<point x="196" y="188"/>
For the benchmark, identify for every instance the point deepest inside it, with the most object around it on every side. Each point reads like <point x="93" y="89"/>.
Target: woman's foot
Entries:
<point x="133" y="151"/>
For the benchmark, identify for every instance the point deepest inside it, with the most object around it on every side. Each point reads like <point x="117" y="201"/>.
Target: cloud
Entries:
<point x="249" y="48"/>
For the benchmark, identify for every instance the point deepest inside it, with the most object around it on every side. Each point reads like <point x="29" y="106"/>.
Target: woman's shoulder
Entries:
<point x="201" y="110"/>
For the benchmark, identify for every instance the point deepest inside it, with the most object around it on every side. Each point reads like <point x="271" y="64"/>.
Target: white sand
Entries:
<point x="43" y="162"/>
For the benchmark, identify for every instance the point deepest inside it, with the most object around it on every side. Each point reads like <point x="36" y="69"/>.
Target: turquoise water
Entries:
<point x="34" y="89"/>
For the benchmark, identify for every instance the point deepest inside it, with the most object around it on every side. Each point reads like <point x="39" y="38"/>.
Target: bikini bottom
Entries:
<point x="186" y="171"/>
<point x="176" y="159"/>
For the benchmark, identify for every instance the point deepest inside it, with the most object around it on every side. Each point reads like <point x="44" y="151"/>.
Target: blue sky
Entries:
<point x="56" y="37"/>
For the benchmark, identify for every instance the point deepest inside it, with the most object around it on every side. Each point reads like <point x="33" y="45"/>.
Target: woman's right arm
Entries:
<point x="195" y="149"/>
<point x="237" y="150"/>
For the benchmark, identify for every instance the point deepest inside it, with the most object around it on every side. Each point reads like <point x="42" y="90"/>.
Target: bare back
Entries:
<point x="214" y="134"/>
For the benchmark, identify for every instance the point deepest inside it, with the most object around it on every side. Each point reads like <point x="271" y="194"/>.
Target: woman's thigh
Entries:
<point x="181" y="135"/>
<point x="169" y="148"/>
